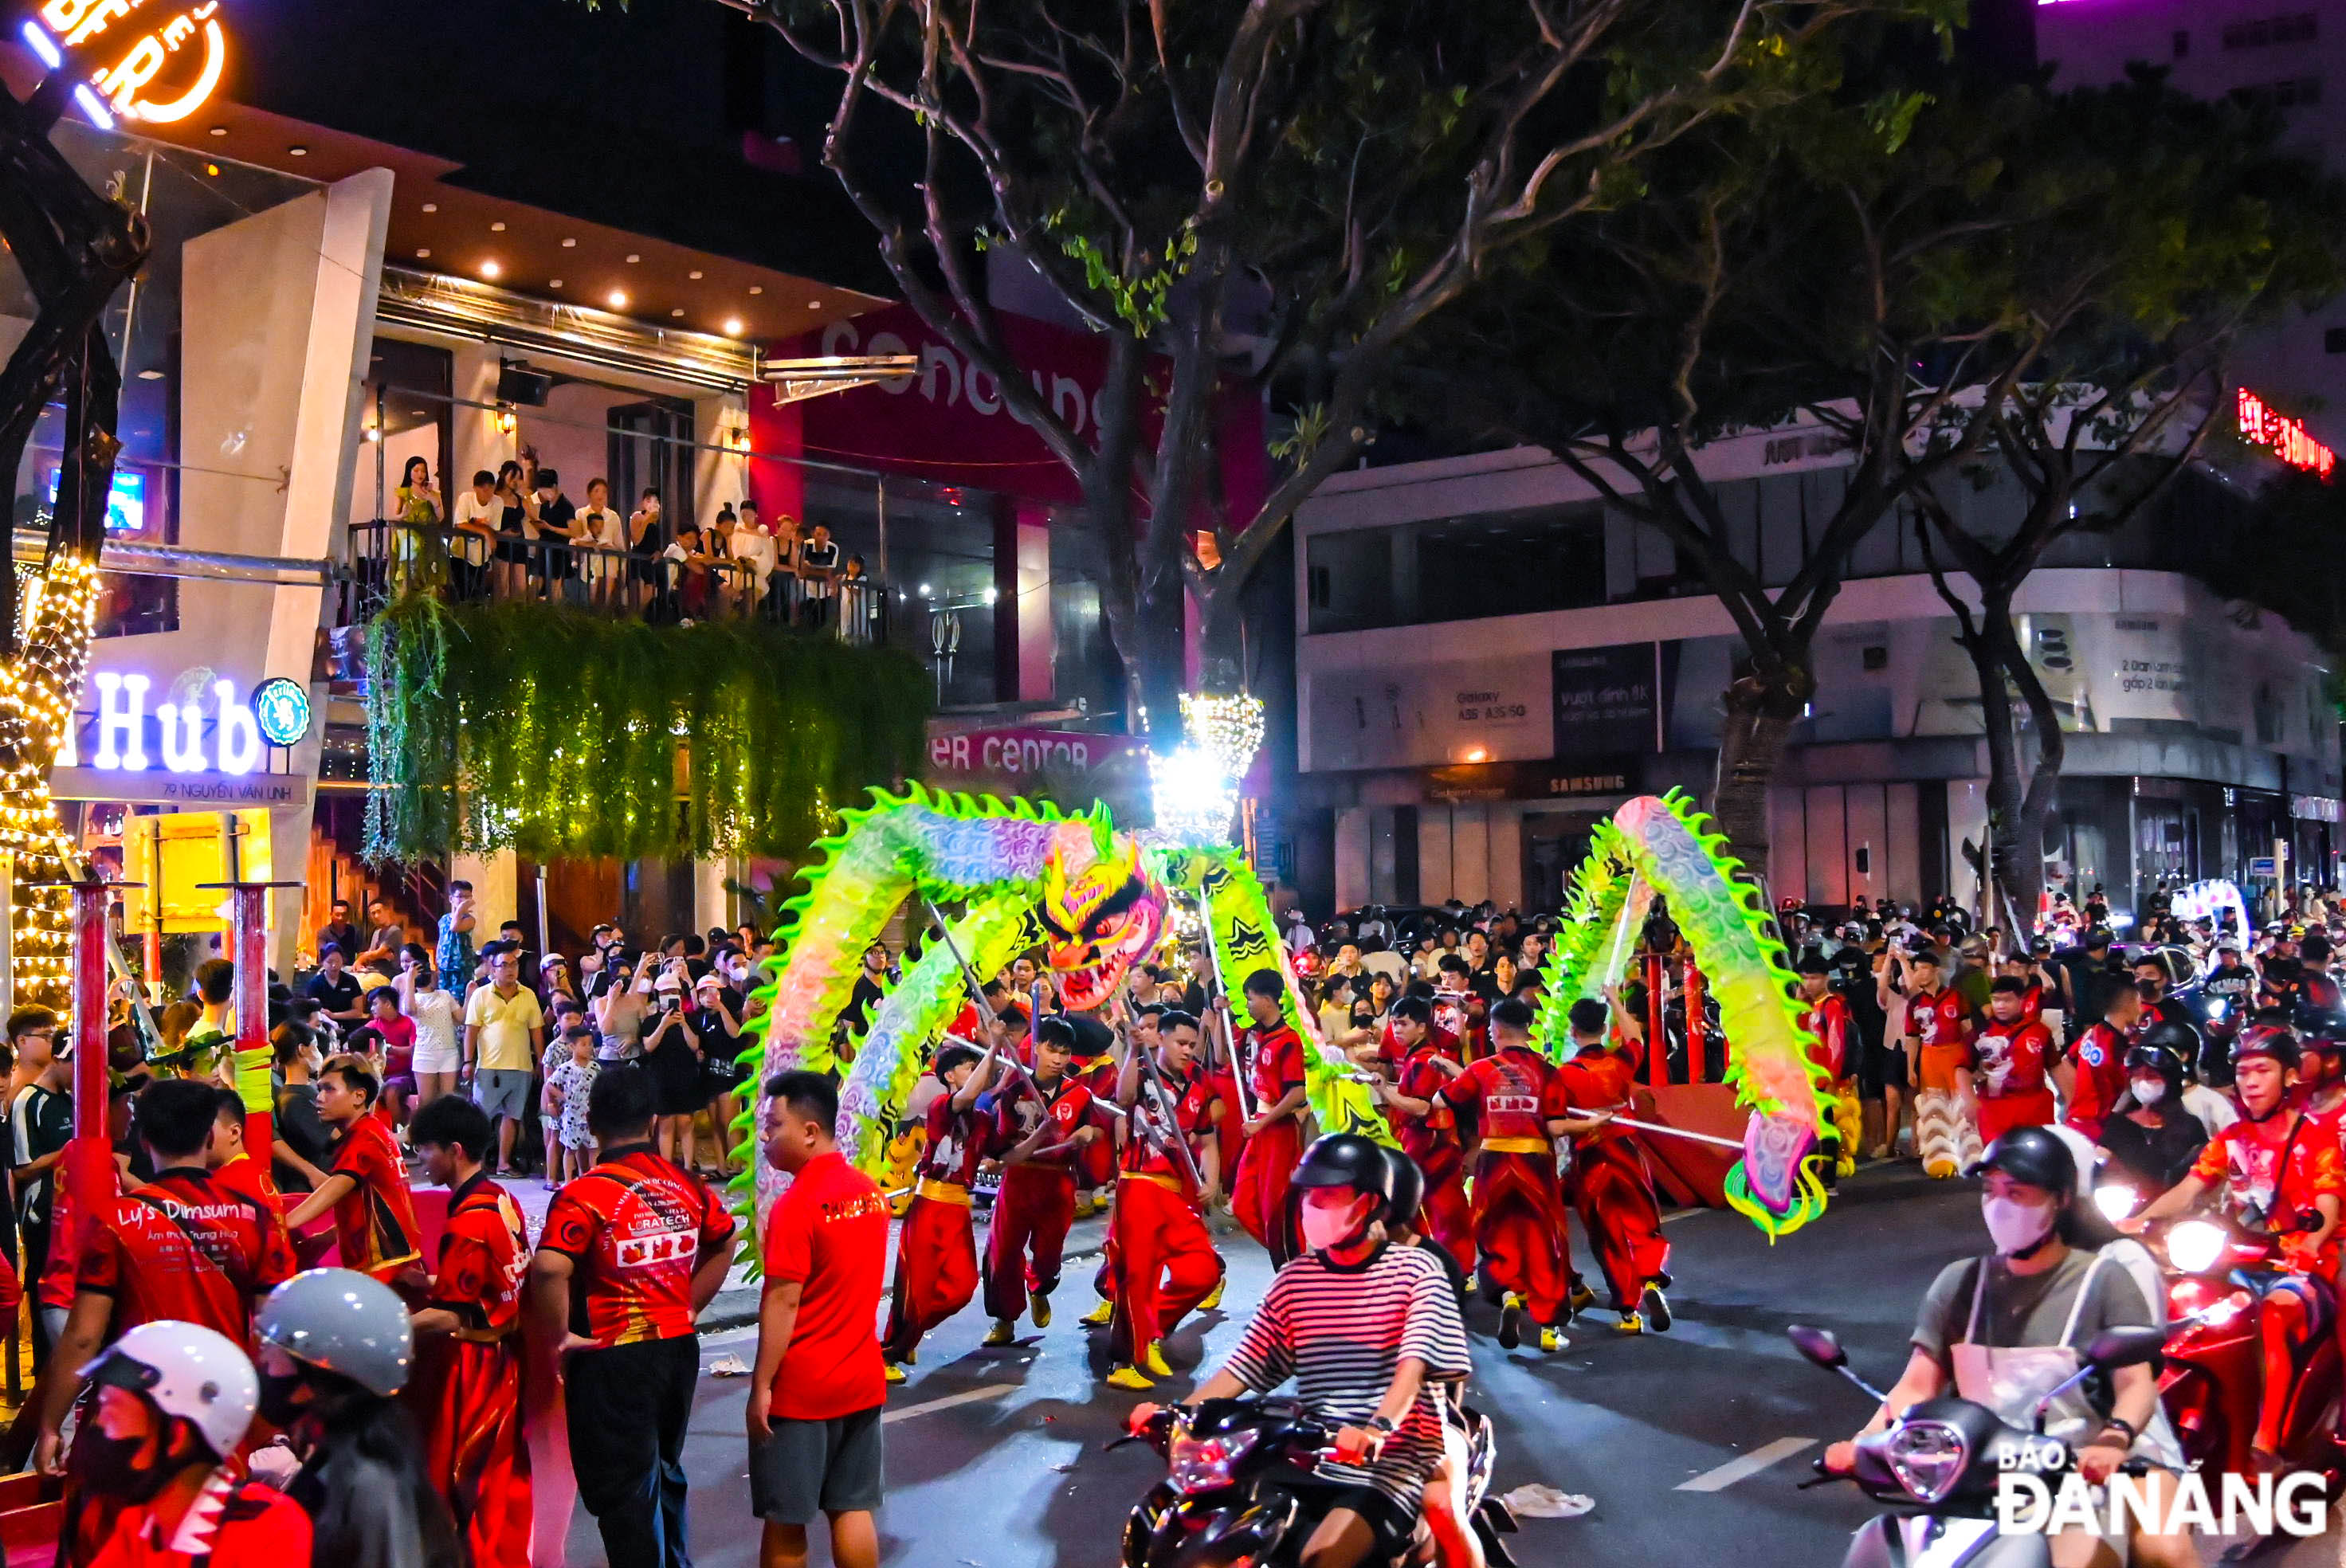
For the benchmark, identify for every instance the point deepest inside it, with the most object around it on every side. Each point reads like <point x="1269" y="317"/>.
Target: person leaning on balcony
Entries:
<point x="516" y="511"/>
<point x="478" y="510"/>
<point x="753" y="546"/>
<point x="603" y="528"/>
<point x="557" y="527"/>
<point x="647" y="537"/>
<point x="724" y="580"/>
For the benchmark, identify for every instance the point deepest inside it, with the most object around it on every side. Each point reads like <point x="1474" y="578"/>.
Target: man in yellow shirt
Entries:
<point x="503" y="1031"/>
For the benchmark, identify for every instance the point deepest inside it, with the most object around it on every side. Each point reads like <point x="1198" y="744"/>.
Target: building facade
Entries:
<point x="1489" y="659"/>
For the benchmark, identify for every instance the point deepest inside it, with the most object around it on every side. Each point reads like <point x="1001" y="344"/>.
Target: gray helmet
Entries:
<point x="344" y="1322"/>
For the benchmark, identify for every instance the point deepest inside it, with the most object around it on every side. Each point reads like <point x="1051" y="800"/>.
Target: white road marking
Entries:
<point x="1682" y="1214"/>
<point x="1751" y="1465"/>
<point x="966" y="1396"/>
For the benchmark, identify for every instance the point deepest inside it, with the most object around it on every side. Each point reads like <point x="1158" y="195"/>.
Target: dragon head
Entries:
<point x="1102" y="911"/>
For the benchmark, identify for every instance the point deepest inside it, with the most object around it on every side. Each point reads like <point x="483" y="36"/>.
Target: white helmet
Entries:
<point x="189" y="1371"/>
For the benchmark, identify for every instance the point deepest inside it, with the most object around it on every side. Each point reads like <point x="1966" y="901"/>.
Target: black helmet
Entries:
<point x="1346" y="1159"/>
<point x="2032" y="1154"/>
<point x="2322" y="1028"/>
<point x="2175" y="1037"/>
<point x="1408" y="1189"/>
<point x="2266" y="1040"/>
<point x="2146" y="1057"/>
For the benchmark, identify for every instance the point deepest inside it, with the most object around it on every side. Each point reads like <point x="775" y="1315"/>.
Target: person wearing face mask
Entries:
<point x="149" y="1484"/>
<point x="2152" y="1140"/>
<point x="1369" y="1332"/>
<point x="336" y="1348"/>
<point x="2004" y="1330"/>
<point x="2281" y="1174"/>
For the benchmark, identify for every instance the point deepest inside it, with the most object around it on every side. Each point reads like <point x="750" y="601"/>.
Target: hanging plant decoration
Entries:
<point x="552" y="731"/>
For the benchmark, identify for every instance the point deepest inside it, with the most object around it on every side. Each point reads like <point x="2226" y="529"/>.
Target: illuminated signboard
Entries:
<point x="150" y="60"/>
<point x="206" y="706"/>
<point x="2285" y="438"/>
<point x="125" y="500"/>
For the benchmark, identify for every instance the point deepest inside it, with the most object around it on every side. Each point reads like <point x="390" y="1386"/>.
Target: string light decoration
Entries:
<point x="57" y="613"/>
<point x="1196" y="785"/>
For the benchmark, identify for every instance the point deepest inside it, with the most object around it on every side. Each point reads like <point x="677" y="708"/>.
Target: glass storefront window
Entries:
<point x="1457" y="568"/>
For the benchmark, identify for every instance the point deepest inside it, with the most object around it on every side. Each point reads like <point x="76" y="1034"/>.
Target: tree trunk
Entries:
<point x="1761" y="714"/>
<point x="2036" y="803"/>
<point x="2017" y="859"/>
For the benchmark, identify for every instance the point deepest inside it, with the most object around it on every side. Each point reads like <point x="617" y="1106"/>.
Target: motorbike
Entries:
<point x="1936" y="1467"/>
<point x="2218" y="1272"/>
<point x="1237" y="1489"/>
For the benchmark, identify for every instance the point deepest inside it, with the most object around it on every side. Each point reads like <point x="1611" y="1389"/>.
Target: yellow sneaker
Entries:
<point x="1004" y="1333"/>
<point x="1550" y="1341"/>
<point x="1582" y="1297"/>
<point x="1101" y="1316"/>
<point x="1153" y="1358"/>
<point x="1631" y="1323"/>
<point x="1130" y="1378"/>
<point x="912" y="1357"/>
<point x="1039" y="1307"/>
<point x="1214" y="1296"/>
<point x="1511" y="1321"/>
<point x="896" y="1374"/>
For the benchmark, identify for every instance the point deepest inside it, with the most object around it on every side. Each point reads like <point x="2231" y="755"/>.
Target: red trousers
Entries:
<point x="1162" y="1260"/>
<point x="467" y="1398"/>
<point x="1027" y="1236"/>
<point x="936" y="1271"/>
<point x="1519" y="1230"/>
<point x="1999" y="1114"/>
<point x="1614" y="1194"/>
<point x="1258" y="1187"/>
<point x="1096" y="1162"/>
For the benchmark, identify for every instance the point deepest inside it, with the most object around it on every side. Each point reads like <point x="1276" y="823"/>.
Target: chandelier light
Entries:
<point x="1196" y="785"/>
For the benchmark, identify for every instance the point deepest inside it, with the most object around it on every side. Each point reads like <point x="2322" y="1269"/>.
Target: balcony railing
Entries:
<point x="388" y="557"/>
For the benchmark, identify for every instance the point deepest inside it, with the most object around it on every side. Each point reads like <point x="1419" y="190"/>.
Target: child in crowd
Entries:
<point x="571" y="1150"/>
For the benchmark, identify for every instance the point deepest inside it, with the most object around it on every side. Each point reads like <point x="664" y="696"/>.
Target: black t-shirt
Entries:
<point x="339" y="995"/>
<point x="559" y="512"/>
<point x="303" y="1130"/>
<point x="718" y="1051"/>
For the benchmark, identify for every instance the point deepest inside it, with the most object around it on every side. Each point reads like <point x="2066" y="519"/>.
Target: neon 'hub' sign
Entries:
<point x="121" y="731"/>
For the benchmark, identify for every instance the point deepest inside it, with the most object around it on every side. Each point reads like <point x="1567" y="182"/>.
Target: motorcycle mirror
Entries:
<point x="2128" y="1347"/>
<point x="1819" y="1346"/>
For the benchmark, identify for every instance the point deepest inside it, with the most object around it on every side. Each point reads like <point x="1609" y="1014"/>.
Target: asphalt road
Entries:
<point x="1690" y="1442"/>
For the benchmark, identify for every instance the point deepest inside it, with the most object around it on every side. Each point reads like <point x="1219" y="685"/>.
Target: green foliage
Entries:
<point x="564" y="733"/>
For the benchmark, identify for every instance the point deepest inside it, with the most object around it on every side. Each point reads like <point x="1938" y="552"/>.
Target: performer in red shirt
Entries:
<point x="2009" y="1055"/>
<point x="231" y="1165"/>
<point x="1043" y="1124"/>
<point x="1518" y="1205"/>
<point x="150" y="1483"/>
<point x="1825" y="1014"/>
<point x="375" y="1213"/>
<point x="466" y="1391"/>
<point x="2096" y="1063"/>
<point x="1274" y="1135"/>
<point x="632" y="1251"/>
<point x="1426" y="1061"/>
<point x="1612" y="1189"/>
<point x="181" y="1249"/>
<point x="1160" y="1257"/>
<point x="936" y="1252"/>
<point x="816" y="1390"/>
<point x="2276" y="1176"/>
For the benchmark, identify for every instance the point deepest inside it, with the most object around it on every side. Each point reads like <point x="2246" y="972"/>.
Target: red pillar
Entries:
<point x="1695" y="1030"/>
<point x="1658" y="1053"/>
<point x="247" y="925"/>
<point x="89" y="1159"/>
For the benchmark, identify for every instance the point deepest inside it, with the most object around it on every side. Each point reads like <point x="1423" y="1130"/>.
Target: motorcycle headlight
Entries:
<point x="2115" y="1200"/>
<point x="2195" y="1245"/>
<point x="1204" y="1465"/>
<point x="2217" y="1009"/>
<point x="1928" y="1459"/>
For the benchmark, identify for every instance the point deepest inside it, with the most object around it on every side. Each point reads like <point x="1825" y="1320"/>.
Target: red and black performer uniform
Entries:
<point x="936" y="1251"/>
<point x="2099" y="1056"/>
<point x="2008" y="1077"/>
<point x="1095" y="1162"/>
<point x="1259" y="1185"/>
<point x="1612" y="1188"/>
<point x="1161" y="1260"/>
<point x="185" y="1248"/>
<point x="1518" y="1202"/>
<point x="1028" y="1234"/>
<point x="467" y="1386"/>
<point x="1432" y="1141"/>
<point x="636" y="1228"/>
<point x="375" y="1223"/>
<point x="231" y="1523"/>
